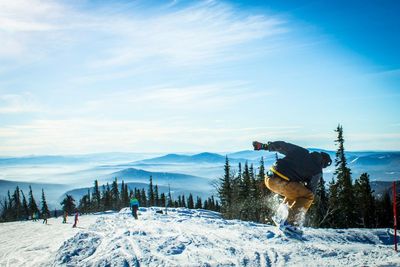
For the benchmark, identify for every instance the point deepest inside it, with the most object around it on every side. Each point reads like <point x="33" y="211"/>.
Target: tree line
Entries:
<point x="107" y="197"/>
<point x="115" y="197"/>
<point x="342" y="204"/>
<point x="16" y="207"/>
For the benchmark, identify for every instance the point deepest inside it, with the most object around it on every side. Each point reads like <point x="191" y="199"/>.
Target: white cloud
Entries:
<point x="188" y="99"/>
<point x="198" y="33"/>
<point x="18" y="103"/>
<point x="87" y="135"/>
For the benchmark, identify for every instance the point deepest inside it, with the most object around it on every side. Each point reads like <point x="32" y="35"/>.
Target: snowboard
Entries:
<point x="288" y="230"/>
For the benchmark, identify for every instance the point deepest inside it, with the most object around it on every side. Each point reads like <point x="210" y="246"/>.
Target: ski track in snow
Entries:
<point x="186" y="237"/>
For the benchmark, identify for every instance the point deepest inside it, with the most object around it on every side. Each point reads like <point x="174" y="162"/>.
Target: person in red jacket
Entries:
<point x="76" y="219"/>
<point x="295" y="177"/>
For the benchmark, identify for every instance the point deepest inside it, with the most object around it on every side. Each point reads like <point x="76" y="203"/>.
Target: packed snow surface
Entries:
<point x="184" y="237"/>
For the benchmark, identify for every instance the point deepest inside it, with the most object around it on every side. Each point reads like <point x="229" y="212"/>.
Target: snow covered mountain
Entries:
<point x="186" y="237"/>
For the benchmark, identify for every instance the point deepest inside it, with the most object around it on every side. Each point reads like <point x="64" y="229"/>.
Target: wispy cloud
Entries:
<point x="187" y="99"/>
<point x="18" y="103"/>
<point x="82" y="135"/>
<point x="197" y="33"/>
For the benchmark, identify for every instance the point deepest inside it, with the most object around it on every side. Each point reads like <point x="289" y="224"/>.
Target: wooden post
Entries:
<point x="394" y="216"/>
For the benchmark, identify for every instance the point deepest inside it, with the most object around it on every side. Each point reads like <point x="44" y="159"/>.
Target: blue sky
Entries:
<point x="172" y="76"/>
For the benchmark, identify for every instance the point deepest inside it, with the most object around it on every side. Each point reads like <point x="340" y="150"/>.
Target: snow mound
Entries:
<point x="184" y="237"/>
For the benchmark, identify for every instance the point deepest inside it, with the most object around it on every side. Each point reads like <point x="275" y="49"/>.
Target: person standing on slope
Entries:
<point x="76" y="219"/>
<point x="65" y="216"/>
<point x="294" y="177"/>
<point x="134" y="205"/>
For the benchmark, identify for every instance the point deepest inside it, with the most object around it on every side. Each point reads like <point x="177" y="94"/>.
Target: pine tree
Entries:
<point x="143" y="198"/>
<point x="198" y="203"/>
<point x="115" y="198"/>
<point x="151" y="192"/>
<point x="384" y="211"/>
<point x="333" y="211"/>
<point x="180" y="201"/>
<point x="16" y="204"/>
<point x="365" y="201"/>
<point x="25" y="208"/>
<point x="184" y="205"/>
<point x="163" y="200"/>
<point x="265" y="195"/>
<point x="318" y="213"/>
<point x="126" y="196"/>
<point x="68" y="204"/>
<point x="156" y="197"/>
<point x="45" y="209"/>
<point x="96" y="196"/>
<point x="33" y="208"/>
<point x="170" y="202"/>
<point x="225" y="190"/>
<point x="245" y="195"/>
<point x="107" y="198"/>
<point x="345" y="193"/>
<point x="85" y="203"/>
<point x="190" y="202"/>
<point x="245" y="186"/>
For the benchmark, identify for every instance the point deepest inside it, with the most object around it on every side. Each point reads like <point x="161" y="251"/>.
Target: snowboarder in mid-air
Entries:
<point x="134" y="205"/>
<point x="295" y="177"/>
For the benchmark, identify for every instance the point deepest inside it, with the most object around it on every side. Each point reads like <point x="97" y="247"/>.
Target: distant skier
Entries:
<point x="35" y="216"/>
<point x="134" y="205"/>
<point x="76" y="219"/>
<point x="65" y="216"/>
<point x="45" y="218"/>
<point x="295" y="177"/>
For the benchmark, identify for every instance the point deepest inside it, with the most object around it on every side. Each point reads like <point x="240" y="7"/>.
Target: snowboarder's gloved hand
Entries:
<point x="259" y="146"/>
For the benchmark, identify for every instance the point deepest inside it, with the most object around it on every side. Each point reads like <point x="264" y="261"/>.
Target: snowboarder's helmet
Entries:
<point x="326" y="160"/>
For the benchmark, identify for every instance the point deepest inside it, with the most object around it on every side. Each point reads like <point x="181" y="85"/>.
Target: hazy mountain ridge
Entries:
<point x="205" y="157"/>
<point x="183" y="171"/>
<point x="162" y="178"/>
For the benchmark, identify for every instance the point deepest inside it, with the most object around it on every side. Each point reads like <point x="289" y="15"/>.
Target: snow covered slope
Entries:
<point x="186" y="238"/>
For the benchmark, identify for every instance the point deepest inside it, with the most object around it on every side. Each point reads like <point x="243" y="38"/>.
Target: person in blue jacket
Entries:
<point x="134" y="205"/>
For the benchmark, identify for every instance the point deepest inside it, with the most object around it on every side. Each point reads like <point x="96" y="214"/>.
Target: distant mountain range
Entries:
<point x="201" y="158"/>
<point x="179" y="184"/>
<point x="188" y="173"/>
<point x="177" y="180"/>
<point x="73" y="159"/>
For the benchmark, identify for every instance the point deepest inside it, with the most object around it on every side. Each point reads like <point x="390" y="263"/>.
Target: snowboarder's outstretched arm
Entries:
<point x="280" y="147"/>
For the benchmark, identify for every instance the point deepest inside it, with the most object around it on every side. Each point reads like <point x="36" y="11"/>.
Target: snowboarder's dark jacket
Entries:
<point x="298" y="165"/>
